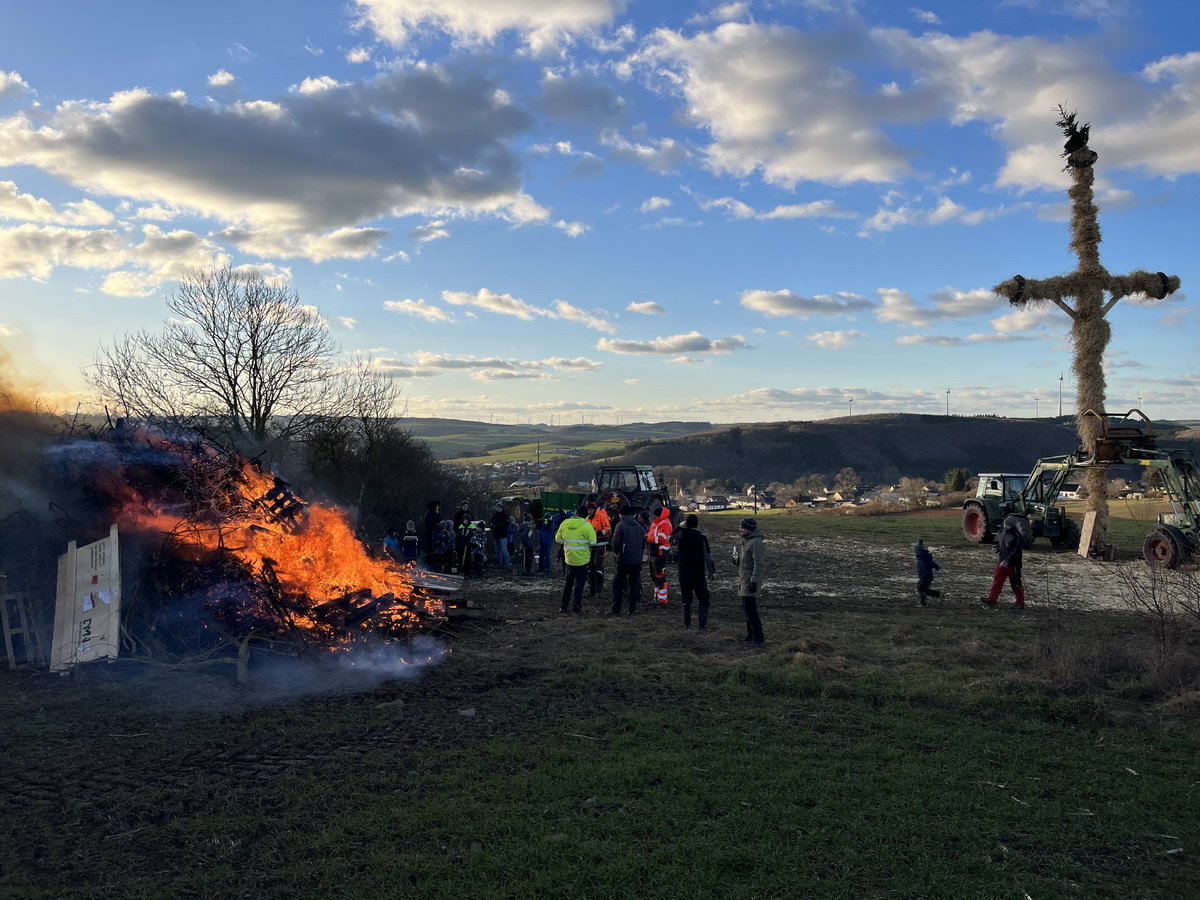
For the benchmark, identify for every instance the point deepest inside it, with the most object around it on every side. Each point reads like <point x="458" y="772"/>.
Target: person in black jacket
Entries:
<point x="1009" y="552"/>
<point x="692" y="557"/>
<point x="628" y="545"/>
<point x="433" y="521"/>
<point x="926" y="566"/>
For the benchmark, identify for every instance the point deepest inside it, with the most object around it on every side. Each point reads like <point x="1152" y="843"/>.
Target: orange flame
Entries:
<point x="313" y="555"/>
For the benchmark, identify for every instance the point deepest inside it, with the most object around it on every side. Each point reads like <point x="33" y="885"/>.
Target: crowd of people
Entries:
<point x="581" y="543"/>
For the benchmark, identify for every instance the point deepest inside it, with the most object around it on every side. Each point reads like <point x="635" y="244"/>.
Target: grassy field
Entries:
<point x="530" y="452"/>
<point x="873" y="748"/>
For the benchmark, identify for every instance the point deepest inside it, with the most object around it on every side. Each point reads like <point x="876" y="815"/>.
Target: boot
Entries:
<point x="1020" y="592"/>
<point x="703" y="616"/>
<point x="687" y="615"/>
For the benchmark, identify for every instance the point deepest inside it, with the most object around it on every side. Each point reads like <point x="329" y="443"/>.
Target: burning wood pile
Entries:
<point x="234" y="553"/>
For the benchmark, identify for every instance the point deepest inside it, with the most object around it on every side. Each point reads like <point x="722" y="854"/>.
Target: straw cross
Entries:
<point x="1088" y="284"/>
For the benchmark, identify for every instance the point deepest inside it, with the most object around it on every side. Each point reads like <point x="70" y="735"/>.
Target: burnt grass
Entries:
<point x="872" y="748"/>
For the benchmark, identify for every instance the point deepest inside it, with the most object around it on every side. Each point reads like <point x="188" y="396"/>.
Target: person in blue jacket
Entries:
<point x="926" y="566"/>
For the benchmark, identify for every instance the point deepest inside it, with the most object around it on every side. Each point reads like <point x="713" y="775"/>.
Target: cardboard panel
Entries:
<point x="87" y="613"/>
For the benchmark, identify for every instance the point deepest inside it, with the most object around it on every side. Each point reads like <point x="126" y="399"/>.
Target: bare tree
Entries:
<point x="242" y="353"/>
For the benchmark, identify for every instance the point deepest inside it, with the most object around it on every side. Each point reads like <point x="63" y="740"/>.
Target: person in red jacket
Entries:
<point x="603" y="528"/>
<point x="658" y="540"/>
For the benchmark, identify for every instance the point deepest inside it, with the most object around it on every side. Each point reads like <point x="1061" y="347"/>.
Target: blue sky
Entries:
<point x="611" y="210"/>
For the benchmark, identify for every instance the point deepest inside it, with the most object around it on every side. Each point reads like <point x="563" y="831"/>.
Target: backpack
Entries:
<point x="1023" y="529"/>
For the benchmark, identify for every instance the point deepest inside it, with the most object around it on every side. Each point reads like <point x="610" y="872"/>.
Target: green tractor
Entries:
<point x="1124" y="442"/>
<point x="1032" y="496"/>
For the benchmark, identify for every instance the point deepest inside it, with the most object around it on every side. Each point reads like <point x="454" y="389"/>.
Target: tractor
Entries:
<point x="1124" y="441"/>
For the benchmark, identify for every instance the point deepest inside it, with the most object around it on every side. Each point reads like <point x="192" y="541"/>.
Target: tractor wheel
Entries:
<point x="975" y="525"/>
<point x="1160" y="550"/>
<point x="1069" y="538"/>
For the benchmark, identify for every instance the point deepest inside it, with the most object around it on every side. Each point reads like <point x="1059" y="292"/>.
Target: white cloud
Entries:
<point x="417" y="308"/>
<point x="430" y="231"/>
<point x="900" y="308"/>
<point x="571" y="229"/>
<point x="650" y="204"/>
<point x="692" y="342"/>
<point x="689" y="361"/>
<point x="795" y="114"/>
<point x="925" y="17"/>
<point x="35" y="250"/>
<point x="511" y="375"/>
<point x="347" y="322"/>
<point x="221" y="79"/>
<point x="502" y="304"/>
<point x="15" y="205"/>
<point x="341" y="243"/>
<point x="543" y="25"/>
<point x="11" y="84"/>
<point x="578" y="364"/>
<point x="835" y="340"/>
<point x="441" y="361"/>
<point x="593" y="320"/>
<point x="776" y="304"/>
<point x="358" y="55"/>
<point x="656" y="154"/>
<point x="412" y="142"/>
<point x="646" y="308"/>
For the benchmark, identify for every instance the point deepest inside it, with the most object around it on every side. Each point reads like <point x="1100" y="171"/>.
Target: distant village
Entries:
<point x="528" y="479"/>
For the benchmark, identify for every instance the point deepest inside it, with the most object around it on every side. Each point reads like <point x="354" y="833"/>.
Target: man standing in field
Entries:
<point x="750" y="571"/>
<point x="628" y="544"/>
<point x="576" y="536"/>
<point x="598" y="516"/>
<point x="694" y="555"/>
<point x="1009" y="546"/>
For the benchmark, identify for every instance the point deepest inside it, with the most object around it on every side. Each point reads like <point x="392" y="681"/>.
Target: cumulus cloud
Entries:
<point x="502" y="304"/>
<point x="578" y="364"/>
<point x="11" y="84"/>
<point x="835" y="340"/>
<point x="594" y="320"/>
<point x="646" y="308"/>
<point x="420" y="140"/>
<point x="656" y="154"/>
<point x="341" y="243"/>
<point x="15" y="205"/>
<point x="542" y="25"/>
<point x="796" y="114"/>
<point x="418" y="308"/>
<point x="651" y="204"/>
<point x="35" y="250"/>
<point x="510" y="374"/>
<point x="221" y="79"/>
<point x="692" y="342"/>
<point x="430" y="231"/>
<point x="428" y="360"/>
<point x="776" y="304"/>
<point x="900" y="308"/>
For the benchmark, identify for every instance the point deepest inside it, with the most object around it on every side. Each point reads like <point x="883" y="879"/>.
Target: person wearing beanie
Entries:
<point x="658" y="540"/>
<point x="628" y="543"/>
<point x="693" y="557"/>
<point x="499" y="526"/>
<point x="750" y="572"/>
<point x="926" y="566"/>
<point x="576" y="536"/>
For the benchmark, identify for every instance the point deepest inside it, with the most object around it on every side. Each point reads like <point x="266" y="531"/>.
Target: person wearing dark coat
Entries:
<point x="433" y="521"/>
<point x="692" y="554"/>
<point x="499" y="526"/>
<point x="926" y="566"/>
<point x="628" y="544"/>
<point x="462" y="539"/>
<point x="749" y="558"/>
<point x="1008" y="566"/>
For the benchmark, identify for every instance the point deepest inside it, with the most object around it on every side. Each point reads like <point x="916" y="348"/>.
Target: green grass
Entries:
<point x="872" y="749"/>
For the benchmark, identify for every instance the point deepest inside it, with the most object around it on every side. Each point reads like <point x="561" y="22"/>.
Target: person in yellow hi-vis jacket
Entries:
<point x="576" y="535"/>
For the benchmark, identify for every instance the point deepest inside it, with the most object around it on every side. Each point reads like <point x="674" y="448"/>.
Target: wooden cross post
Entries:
<point x="1090" y="330"/>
